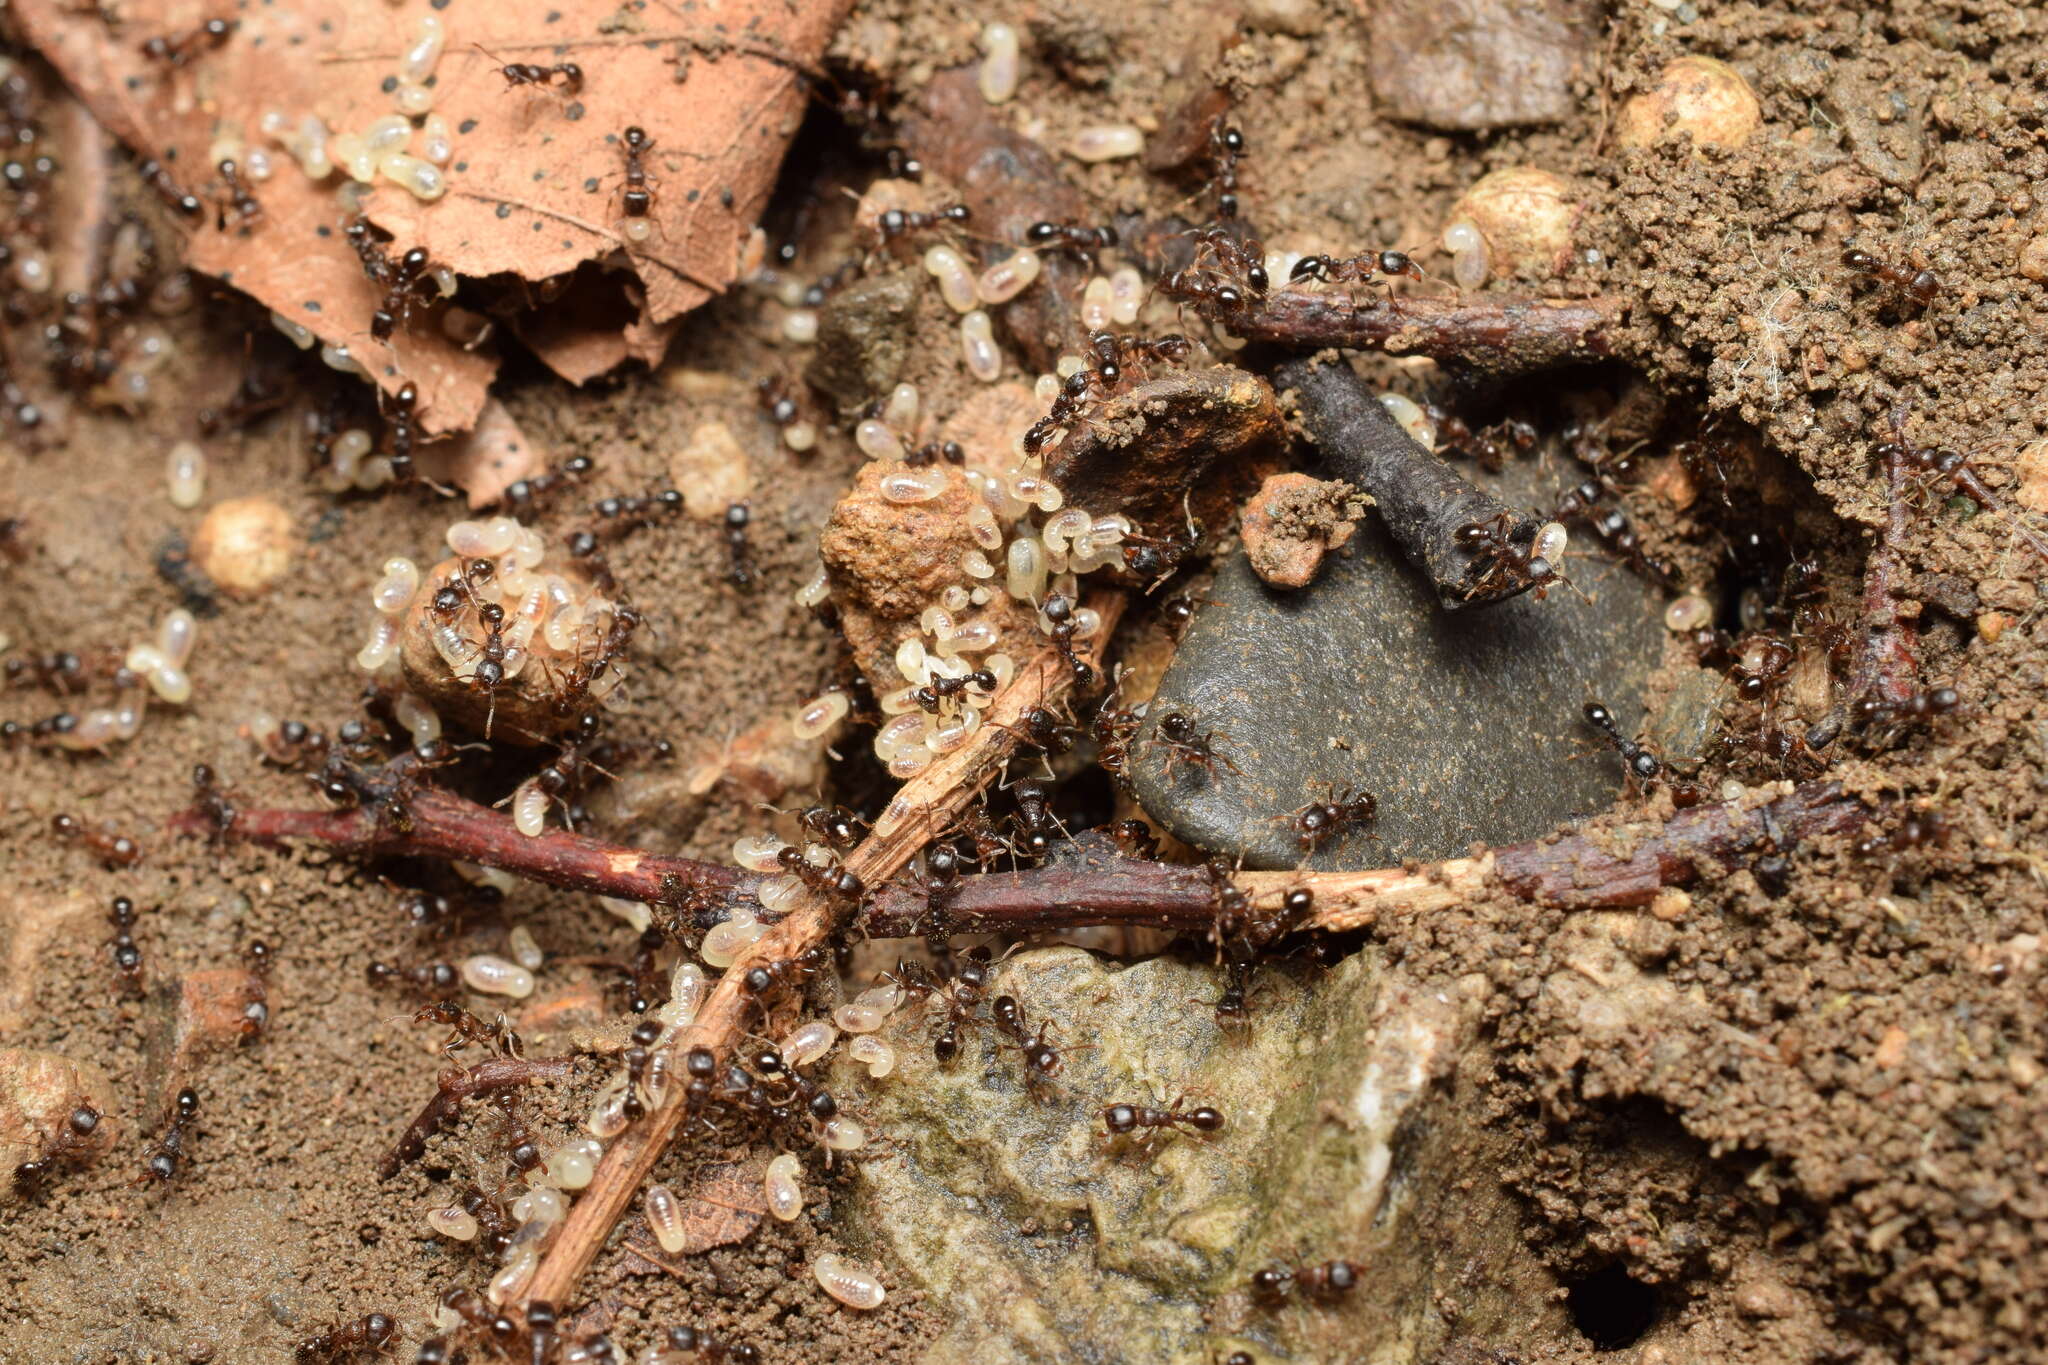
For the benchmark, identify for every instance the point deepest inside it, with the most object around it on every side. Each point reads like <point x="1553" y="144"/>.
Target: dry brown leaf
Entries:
<point x="534" y="187"/>
<point x="486" y="459"/>
<point x="723" y="1207"/>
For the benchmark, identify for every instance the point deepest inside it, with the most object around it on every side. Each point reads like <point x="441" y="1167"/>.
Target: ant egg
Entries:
<point x="956" y="284"/>
<point x="456" y="649"/>
<point x="492" y="975"/>
<point x="396" y="589"/>
<point x="816" y="590"/>
<point x="530" y="809"/>
<point x="800" y="327"/>
<point x="1688" y="613"/>
<point x="1001" y="63"/>
<point x="665" y="1218"/>
<point x="687" y="987"/>
<point x="175" y="635"/>
<point x="757" y="852"/>
<point x="1550" y="542"/>
<point x="785" y="1194"/>
<point x="422" y="179"/>
<point x="820" y="714"/>
<point x="800" y="436"/>
<point x="1008" y="278"/>
<point x="909" y="764"/>
<point x="878" y="1056"/>
<point x="877" y="440"/>
<point x="524" y="948"/>
<point x="608" y="1117"/>
<point x="353" y="157"/>
<point x="412" y="100"/>
<point x="510" y="1282"/>
<point x="1126" y="295"/>
<point x="1107" y="142"/>
<point x="351" y="446"/>
<point x="452" y="1221"/>
<point x="978" y="345"/>
<point x="1025" y="581"/>
<point x="417" y="62"/>
<point x="185" y="471"/>
<point x="811" y="1041"/>
<point x="497" y="878"/>
<point x="842" y="1134"/>
<point x="900" y="412"/>
<point x="1097" y="304"/>
<point x="375" y="473"/>
<point x="1410" y="417"/>
<point x="658" y="1075"/>
<point x="571" y="1165"/>
<point x="847" y="1282"/>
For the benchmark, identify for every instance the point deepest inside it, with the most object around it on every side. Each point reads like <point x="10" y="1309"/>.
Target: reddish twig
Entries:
<point x="1500" y="335"/>
<point x="1577" y="871"/>
<point x="458" y="1084"/>
<point x="440" y="824"/>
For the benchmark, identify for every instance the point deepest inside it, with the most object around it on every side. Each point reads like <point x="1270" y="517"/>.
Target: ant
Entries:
<point x="1365" y="268"/>
<point x="934" y="695"/>
<point x="71" y="1139"/>
<point x="712" y="1350"/>
<point x="1761" y="667"/>
<point x="168" y="1150"/>
<point x="839" y="885"/>
<point x="931" y="452"/>
<point x="1080" y="386"/>
<point x="1242" y="258"/>
<point x="530" y="73"/>
<point x="1044" y="729"/>
<point x="1082" y="241"/>
<point x="114" y="850"/>
<point x="895" y="223"/>
<point x="1921" y="286"/>
<point x="407" y="285"/>
<point x="1642" y="765"/>
<point x="1059" y="611"/>
<point x="1120" y="1120"/>
<point x="963" y="996"/>
<point x="1176" y="730"/>
<point x="1917" y="830"/>
<point x="1611" y="524"/>
<point x="178" y="49"/>
<point x="740" y="569"/>
<point x="1329" y="1280"/>
<point x="1318" y="820"/>
<point x="1874" y="711"/>
<point x="1204" y="287"/>
<point x="638" y="199"/>
<point x="1113" y="729"/>
<point x="430" y="976"/>
<point x="246" y="206"/>
<point x="521" y="496"/>
<point x="775" y="400"/>
<point x="1035" y="820"/>
<point x="769" y="978"/>
<point x="520" y="1148"/>
<point x="210" y="799"/>
<point x="833" y="824"/>
<point x="167" y="189"/>
<point x="1042" y="1061"/>
<point x="466" y="1029"/>
<point x="1497" y="557"/>
<point x="1953" y="467"/>
<point x="61" y="672"/>
<point x="1226" y="145"/>
<point x="367" y="1333"/>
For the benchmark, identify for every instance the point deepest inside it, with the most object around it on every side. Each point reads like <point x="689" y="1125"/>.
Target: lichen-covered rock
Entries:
<point x="1347" y="1134"/>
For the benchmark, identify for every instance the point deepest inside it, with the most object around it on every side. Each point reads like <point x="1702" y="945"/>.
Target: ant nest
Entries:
<point x="501" y="638"/>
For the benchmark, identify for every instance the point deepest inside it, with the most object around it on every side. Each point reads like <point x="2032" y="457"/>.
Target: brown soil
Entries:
<point x="1833" y="1153"/>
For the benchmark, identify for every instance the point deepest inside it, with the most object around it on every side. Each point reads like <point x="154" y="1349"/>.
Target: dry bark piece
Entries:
<point x="1480" y="64"/>
<point x="487" y="459"/>
<point x="1488" y="334"/>
<point x="1291" y="523"/>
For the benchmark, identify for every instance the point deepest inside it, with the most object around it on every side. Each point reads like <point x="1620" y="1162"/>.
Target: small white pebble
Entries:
<point x="800" y="326"/>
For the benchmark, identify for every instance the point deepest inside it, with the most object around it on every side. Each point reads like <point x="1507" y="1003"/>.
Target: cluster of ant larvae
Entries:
<point x="158" y="665"/>
<point x="383" y="148"/>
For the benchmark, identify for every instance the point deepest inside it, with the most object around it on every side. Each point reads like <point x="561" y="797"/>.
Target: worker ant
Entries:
<point x="168" y="1151"/>
<point x="1939" y="465"/>
<point x="1330" y="1280"/>
<point x="1381" y="267"/>
<point x="1226" y="145"/>
<point x="246" y="207"/>
<point x="466" y="1029"/>
<point x="529" y="73"/>
<point x="114" y="850"/>
<point x="1917" y="829"/>
<point x="1921" y="286"/>
<point x="1507" y="556"/>
<point x="367" y="1333"/>
<point x="177" y="49"/>
<point x="1176" y="731"/>
<point x="1082" y="241"/>
<point x="1121" y="1120"/>
<point x="73" y="1139"/>
<point x="894" y="224"/>
<point x="1042" y="1061"/>
<point x="1641" y="765"/>
<point x="739" y="559"/>
<point x="1059" y="612"/>
<point x="637" y="198"/>
<point x="1317" y="821"/>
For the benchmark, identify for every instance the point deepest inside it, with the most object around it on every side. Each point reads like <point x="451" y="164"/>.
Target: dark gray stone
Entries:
<point x="1464" y="725"/>
<point x="864" y="339"/>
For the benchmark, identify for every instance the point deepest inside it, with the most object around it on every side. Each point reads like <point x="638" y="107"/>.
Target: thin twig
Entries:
<point x="458" y="1084"/>
<point x="440" y="824"/>
<point x="1099" y="886"/>
<point x="1500" y="335"/>
<point x="924" y="807"/>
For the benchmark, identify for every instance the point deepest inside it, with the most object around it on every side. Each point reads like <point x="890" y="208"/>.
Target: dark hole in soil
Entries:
<point x="1611" y="1307"/>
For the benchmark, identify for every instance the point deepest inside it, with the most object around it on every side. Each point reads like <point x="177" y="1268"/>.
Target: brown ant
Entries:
<point x="1329" y="1280"/>
<point x="523" y="495"/>
<point x="769" y="978"/>
<point x="1612" y="525"/>
<point x="178" y="49"/>
<point x="1315" y="822"/>
<point x="168" y="1151"/>
<point x="833" y="824"/>
<point x="838" y="885"/>
<point x="1226" y="145"/>
<point x="529" y="73"/>
<point x="1042" y="1061"/>
<point x="407" y="285"/>
<point x="114" y="850"/>
<point x="157" y="178"/>
<point x="1381" y="267"/>
<point x="1121" y="1120"/>
<point x="1176" y="731"/>
<point x="367" y="1333"/>
<point x="71" y="1140"/>
<point x="1641" y="765"/>
<point x="210" y="800"/>
<point x="1921" y="286"/>
<point x="292" y="744"/>
<point x="962" y="997"/>
<point x="931" y="452"/>
<point x="1113" y="729"/>
<point x="712" y="1350"/>
<point x="1044" y="729"/>
<point x="1872" y="711"/>
<point x="1917" y="829"/>
<point x="467" y="1029"/>
<point x="1503" y="553"/>
<point x="1060" y="613"/>
<point x="1954" y="468"/>
<point x="430" y="976"/>
<point x="520" y="1148"/>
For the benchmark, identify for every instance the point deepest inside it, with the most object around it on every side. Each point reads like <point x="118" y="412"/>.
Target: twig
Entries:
<point x="1100" y="886"/>
<point x="440" y="824"/>
<point x="1422" y="500"/>
<point x="458" y="1084"/>
<point x="1886" y="665"/>
<point x="1497" y="335"/>
<point x="924" y="806"/>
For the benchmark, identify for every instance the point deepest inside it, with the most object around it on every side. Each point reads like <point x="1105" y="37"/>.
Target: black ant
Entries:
<point x="1176" y="730"/>
<point x="638" y="199"/>
<point x="1034" y="818"/>
<point x="931" y="452"/>
<point x="782" y="974"/>
<point x="1921" y="286"/>
<point x="739" y="567"/>
<point x="833" y="884"/>
<point x="1918" y="829"/>
<point x="153" y="173"/>
<point x="1954" y="468"/>
<point x="712" y="1350"/>
<point x="466" y="1029"/>
<point x="836" y="826"/>
<point x="933" y="696"/>
<point x="775" y="399"/>
<point x="1315" y="822"/>
<point x="1642" y="765"/>
<point x="1046" y="730"/>
<point x="1042" y="1061"/>
<point x="1226" y="145"/>
<point x="1500" y="557"/>
<point x="1329" y="1280"/>
<point x="407" y="284"/>
<point x="367" y="1333"/>
<point x="72" y="1139"/>
<point x="896" y="223"/>
<point x="1242" y="258"/>
<point x="523" y="495"/>
<point x="529" y="73"/>
<point x="963" y="994"/>
<point x="178" y="49"/>
<point x="436" y="977"/>
<point x="165" y="1154"/>
<point x="1120" y="1120"/>
<point x="1060" y="613"/>
<point x="1365" y="268"/>
<point x="1082" y="241"/>
<point x="245" y="205"/>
